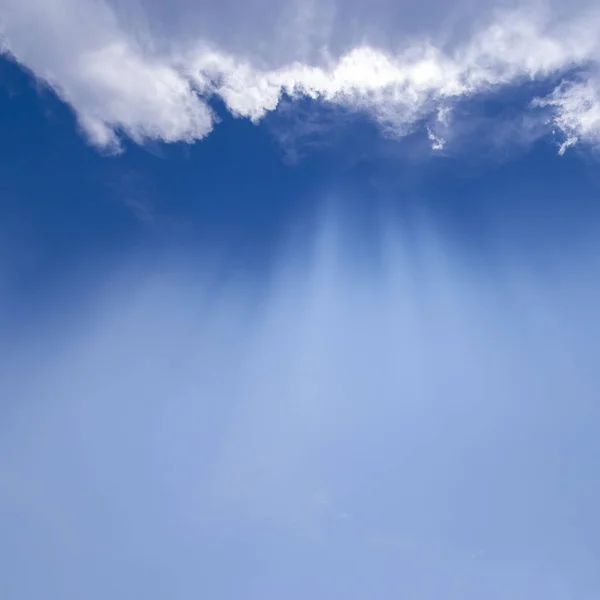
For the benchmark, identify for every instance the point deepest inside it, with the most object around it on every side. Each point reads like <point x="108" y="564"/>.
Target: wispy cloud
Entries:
<point x="577" y="111"/>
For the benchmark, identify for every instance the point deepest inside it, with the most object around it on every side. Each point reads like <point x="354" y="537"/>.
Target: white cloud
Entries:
<point x="577" y="115"/>
<point x="124" y="73"/>
<point x="437" y="142"/>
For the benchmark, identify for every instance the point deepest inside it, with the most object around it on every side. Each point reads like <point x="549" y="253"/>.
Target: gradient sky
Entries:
<point x="299" y="300"/>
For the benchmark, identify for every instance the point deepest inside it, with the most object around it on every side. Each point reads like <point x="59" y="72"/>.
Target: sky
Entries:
<point x="299" y="300"/>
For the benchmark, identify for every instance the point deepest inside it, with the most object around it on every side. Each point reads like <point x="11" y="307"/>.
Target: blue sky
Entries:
<point x="299" y="301"/>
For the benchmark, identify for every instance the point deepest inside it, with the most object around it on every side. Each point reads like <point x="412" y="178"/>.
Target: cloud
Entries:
<point x="113" y="84"/>
<point x="148" y="71"/>
<point x="577" y="111"/>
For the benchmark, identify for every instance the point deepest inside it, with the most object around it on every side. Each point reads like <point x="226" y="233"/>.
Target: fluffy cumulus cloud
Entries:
<point x="147" y="69"/>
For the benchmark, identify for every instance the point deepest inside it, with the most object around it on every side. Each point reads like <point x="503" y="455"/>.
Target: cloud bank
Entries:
<point x="149" y="70"/>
